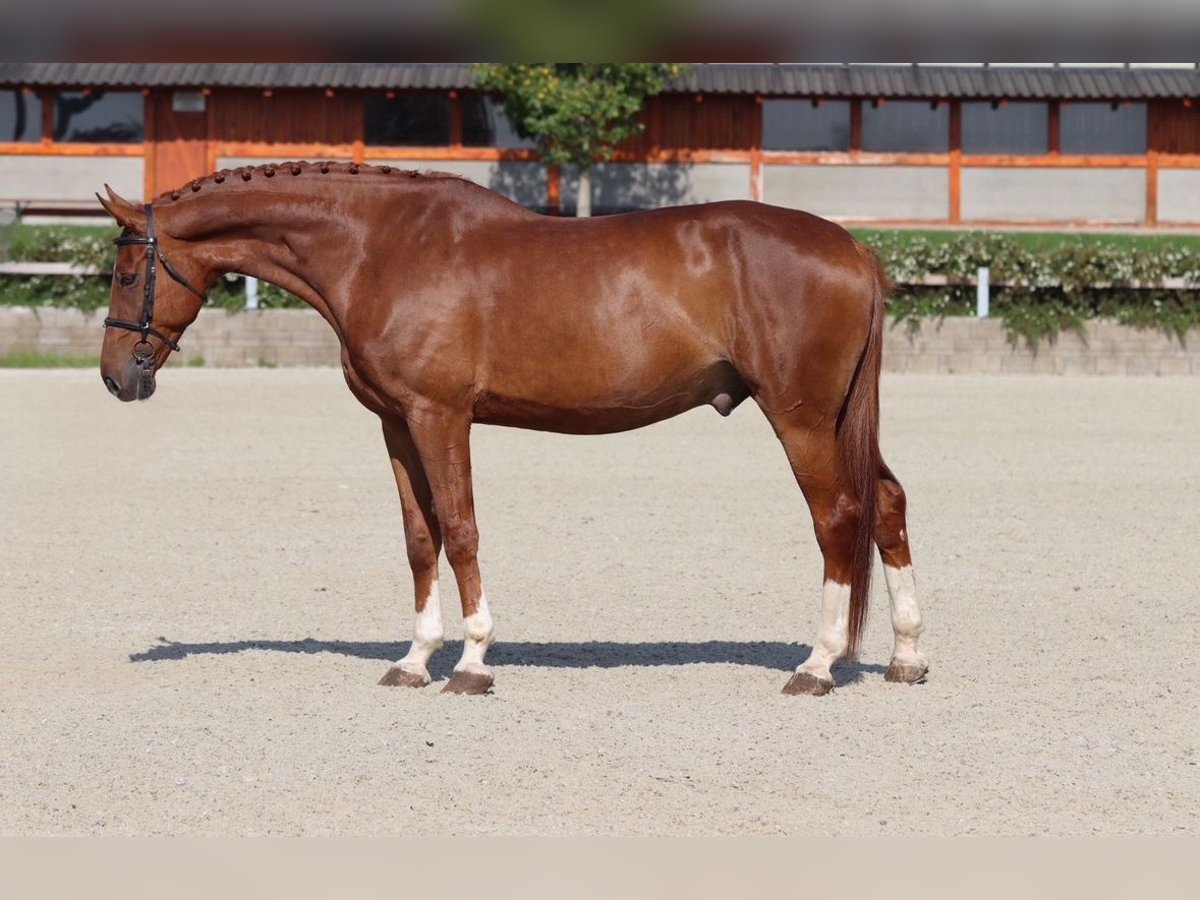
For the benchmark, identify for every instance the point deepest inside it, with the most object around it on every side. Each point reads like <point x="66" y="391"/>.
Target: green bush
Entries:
<point x="1041" y="287"/>
<point x="1042" y="283"/>
<point x="94" y="247"/>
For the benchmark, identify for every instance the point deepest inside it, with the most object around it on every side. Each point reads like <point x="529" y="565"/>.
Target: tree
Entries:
<point x="577" y="112"/>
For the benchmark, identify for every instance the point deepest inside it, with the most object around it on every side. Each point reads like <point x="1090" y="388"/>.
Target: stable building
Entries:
<point x="972" y="145"/>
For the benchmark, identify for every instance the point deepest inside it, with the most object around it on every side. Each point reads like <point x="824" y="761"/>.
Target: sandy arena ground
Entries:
<point x="199" y="593"/>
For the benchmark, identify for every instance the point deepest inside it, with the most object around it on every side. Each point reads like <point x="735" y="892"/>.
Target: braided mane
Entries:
<point x="293" y="169"/>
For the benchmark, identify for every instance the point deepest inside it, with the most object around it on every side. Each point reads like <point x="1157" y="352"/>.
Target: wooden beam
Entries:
<point x="955" y="206"/>
<point x="269" y="151"/>
<point x="769" y="157"/>
<point x="210" y="130"/>
<point x="856" y="126"/>
<point x="1054" y="162"/>
<point x="456" y="120"/>
<point x="48" y="98"/>
<point x="683" y="155"/>
<point x="494" y="154"/>
<point x="756" y="153"/>
<point x="554" y="189"/>
<point x="1177" y="160"/>
<point x="151" y="138"/>
<point x="1055" y="128"/>
<point x="358" y="144"/>
<point x="10" y="149"/>
<point x="840" y="158"/>
<point x="1152" y="188"/>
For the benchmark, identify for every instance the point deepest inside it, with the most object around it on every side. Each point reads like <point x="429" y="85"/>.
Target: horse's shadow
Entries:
<point x="552" y="654"/>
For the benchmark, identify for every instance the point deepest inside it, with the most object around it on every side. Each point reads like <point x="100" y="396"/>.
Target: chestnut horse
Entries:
<point x="454" y="305"/>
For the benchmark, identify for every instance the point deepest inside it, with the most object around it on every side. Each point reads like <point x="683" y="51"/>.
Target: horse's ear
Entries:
<point x="126" y="214"/>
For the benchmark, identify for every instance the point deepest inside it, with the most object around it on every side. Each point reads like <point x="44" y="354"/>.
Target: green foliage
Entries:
<point x="578" y="112"/>
<point x="230" y="293"/>
<point x="1042" y="283"/>
<point x="79" y="246"/>
<point x="1042" y="288"/>
<point x="93" y="247"/>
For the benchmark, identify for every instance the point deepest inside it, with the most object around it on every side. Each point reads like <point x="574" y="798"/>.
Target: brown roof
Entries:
<point x="781" y="79"/>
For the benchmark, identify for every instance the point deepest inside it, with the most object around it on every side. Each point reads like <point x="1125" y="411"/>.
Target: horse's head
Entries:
<point x="147" y="313"/>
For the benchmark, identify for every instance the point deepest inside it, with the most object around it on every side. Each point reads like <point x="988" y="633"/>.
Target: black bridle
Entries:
<point x="144" y="350"/>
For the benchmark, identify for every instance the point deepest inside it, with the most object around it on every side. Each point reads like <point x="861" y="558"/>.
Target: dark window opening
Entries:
<point x="100" y="117"/>
<point x="20" y="116"/>
<point x="486" y="125"/>
<point x="409" y="120"/>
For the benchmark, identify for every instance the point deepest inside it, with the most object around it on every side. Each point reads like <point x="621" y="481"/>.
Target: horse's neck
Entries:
<point x="276" y="238"/>
<point x="293" y="240"/>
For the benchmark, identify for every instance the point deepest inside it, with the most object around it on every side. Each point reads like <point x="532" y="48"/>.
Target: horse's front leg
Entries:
<point x="442" y="439"/>
<point x="423" y="540"/>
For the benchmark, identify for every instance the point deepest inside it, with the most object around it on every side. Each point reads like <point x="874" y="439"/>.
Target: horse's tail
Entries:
<point x="858" y="443"/>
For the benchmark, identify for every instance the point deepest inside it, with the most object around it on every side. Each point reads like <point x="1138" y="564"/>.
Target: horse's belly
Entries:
<point x="586" y="407"/>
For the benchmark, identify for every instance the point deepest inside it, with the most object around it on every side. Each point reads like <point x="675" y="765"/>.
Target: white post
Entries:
<point x="982" y="292"/>
<point x="251" y="292"/>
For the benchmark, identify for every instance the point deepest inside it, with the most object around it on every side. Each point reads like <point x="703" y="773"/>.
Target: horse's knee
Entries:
<point x="422" y="551"/>
<point x="461" y="538"/>
<point x="837" y="525"/>
<point x="891" y="501"/>
<point x="890" y="511"/>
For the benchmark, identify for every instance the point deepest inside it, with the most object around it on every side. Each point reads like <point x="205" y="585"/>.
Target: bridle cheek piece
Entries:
<point x="143" y="351"/>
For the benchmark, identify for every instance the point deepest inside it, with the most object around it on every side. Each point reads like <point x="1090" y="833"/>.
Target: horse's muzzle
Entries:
<point x="133" y="382"/>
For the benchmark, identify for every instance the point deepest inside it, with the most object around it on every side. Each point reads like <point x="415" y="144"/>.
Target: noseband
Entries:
<point x="144" y="327"/>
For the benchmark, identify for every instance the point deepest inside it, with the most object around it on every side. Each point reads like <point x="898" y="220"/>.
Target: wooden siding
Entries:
<point x="681" y="128"/>
<point x="1174" y="127"/>
<point x="287" y="117"/>
<point x="695" y="122"/>
<point x="177" y="144"/>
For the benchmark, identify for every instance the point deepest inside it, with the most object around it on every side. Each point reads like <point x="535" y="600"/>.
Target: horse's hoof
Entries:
<point x="906" y="674"/>
<point x="469" y="683"/>
<point x="398" y="677"/>
<point x="804" y="683"/>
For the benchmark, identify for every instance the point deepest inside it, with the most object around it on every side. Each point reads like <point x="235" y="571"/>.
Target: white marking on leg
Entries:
<point x="477" y="637"/>
<point x="834" y="635"/>
<point x="427" y="635"/>
<point x="906" y="615"/>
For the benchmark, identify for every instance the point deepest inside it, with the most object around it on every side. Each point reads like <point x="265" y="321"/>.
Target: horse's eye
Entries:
<point x="127" y="279"/>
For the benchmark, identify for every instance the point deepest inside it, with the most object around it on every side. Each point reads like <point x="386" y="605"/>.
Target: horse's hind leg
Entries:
<point x="812" y="450"/>
<point x="908" y="663"/>
<point x="423" y="541"/>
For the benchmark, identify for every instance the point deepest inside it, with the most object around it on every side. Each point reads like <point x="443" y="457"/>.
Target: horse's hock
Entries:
<point x="292" y="337"/>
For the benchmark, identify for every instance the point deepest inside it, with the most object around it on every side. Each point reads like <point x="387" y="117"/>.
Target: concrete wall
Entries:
<point x="861" y="192"/>
<point x="526" y="183"/>
<point x="914" y="193"/>
<point x="1053" y="194"/>
<point x="69" y="179"/>
<point x="302" y="338"/>
<point x="624" y="186"/>
<point x="1178" y="195"/>
<point x="280" y="337"/>
<point x="980" y="346"/>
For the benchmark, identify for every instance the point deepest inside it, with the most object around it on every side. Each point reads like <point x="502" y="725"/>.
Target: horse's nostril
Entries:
<point x="111" y="385"/>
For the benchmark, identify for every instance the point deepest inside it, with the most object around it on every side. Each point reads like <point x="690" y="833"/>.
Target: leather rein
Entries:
<point x="143" y="350"/>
